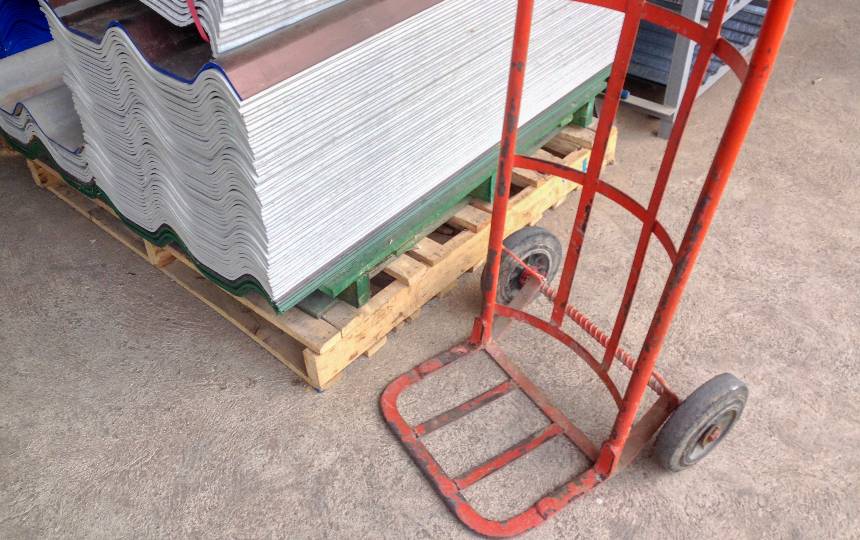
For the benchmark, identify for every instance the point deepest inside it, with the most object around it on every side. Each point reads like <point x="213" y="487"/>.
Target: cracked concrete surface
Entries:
<point x="130" y="409"/>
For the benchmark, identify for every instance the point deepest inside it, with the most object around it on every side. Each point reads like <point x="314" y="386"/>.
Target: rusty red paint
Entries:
<point x="568" y="340"/>
<point x="462" y="410"/>
<point x="658" y="384"/>
<point x="573" y="433"/>
<point x="507" y="156"/>
<point x="603" y="188"/>
<point x="192" y="9"/>
<point x="696" y="78"/>
<point x="712" y="435"/>
<point x="611" y="103"/>
<point x="627" y="436"/>
<point x="518" y="450"/>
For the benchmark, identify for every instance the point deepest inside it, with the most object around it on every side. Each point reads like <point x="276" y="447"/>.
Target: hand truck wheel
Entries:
<point x="701" y="422"/>
<point x="535" y="246"/>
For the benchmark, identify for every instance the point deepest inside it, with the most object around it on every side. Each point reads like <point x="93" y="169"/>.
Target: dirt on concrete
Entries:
<point x="130" y="409"/>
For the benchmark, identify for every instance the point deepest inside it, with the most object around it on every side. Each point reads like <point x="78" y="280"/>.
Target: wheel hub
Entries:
<point x="711" y="435"/>
<point x="539" y="262"/>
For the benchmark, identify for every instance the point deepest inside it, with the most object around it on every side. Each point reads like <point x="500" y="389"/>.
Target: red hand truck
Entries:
<point x="518" y="268"/>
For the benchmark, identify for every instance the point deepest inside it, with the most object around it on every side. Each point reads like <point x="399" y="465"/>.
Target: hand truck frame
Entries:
<point x="693" y="427"/>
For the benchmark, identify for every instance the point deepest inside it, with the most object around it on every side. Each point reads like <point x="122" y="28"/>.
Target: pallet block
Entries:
<point x="319" y="349"/>
<point x="6" y="150"/>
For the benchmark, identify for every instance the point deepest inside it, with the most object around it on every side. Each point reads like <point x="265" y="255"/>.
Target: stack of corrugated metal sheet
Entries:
<point x="22" y="26"/>
<point x="281" y="157"/>
<point x="652" y="55"/>
<point x="35" y="105"/>
<point x="233" y="23"/>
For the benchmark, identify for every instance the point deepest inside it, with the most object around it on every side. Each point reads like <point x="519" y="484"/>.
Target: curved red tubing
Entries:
<point x="192" y="9"/>
<point x="624" y="439"/>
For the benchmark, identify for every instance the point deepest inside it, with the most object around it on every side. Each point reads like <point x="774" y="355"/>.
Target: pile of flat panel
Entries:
<point x="232" y="23"/>
<point x="35" y="105"/>
<point x="285" y="155"/>
<point x="652" y="55"/>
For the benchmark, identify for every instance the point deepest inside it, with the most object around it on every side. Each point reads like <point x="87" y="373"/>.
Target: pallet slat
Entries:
<point x="319" y="349"/>
<point x="428" y="251"/>
<point x="470" y="218"/>
<point x="406" y="269"/>
<point x="5" y="150"/>
<point x="527" y="177"/>
<point x="570" y="139"/>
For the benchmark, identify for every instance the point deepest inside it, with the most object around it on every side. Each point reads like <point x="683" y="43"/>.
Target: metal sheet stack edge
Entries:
<point x="229" y="24"/>
<point x="34" y="102"/>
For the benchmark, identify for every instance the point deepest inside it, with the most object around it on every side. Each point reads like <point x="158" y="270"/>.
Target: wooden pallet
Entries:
<point x="5" y="150"/>
<point x="318" y="349"/>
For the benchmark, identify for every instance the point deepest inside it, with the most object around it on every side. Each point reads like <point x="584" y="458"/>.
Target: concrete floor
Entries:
<point x="129" y="409"/>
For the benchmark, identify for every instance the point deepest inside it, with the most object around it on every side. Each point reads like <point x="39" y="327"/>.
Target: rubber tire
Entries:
<point x="689" y="421"/>
<point x="525" y="243"/>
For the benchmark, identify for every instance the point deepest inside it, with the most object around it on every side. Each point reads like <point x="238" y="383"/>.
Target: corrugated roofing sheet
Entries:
<point x="22" y="26"/>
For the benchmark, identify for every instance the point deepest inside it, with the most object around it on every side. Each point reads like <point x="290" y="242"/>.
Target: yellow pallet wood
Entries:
<point x="5" y="150"/>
